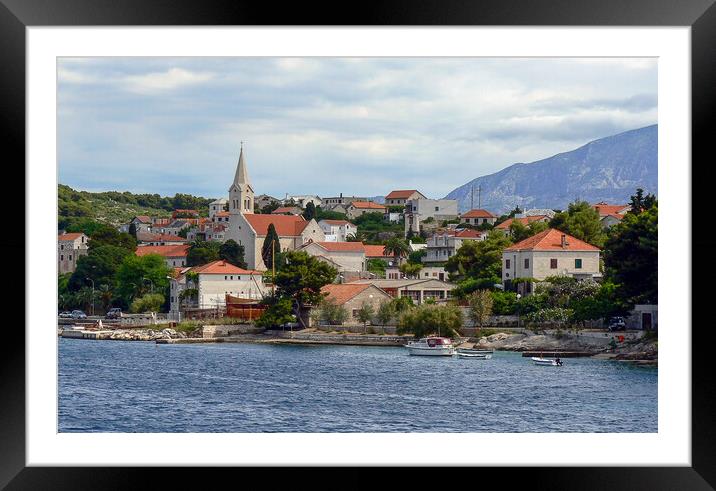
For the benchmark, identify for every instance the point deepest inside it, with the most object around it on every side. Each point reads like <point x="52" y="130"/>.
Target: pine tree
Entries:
<point x="267" y="250"/>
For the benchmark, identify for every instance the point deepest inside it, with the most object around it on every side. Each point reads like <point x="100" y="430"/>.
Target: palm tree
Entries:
<point x="105" y="295"/>
<point x="398" y="248"/>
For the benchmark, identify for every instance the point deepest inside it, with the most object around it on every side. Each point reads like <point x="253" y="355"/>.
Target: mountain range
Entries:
<point x="608" y="169"/>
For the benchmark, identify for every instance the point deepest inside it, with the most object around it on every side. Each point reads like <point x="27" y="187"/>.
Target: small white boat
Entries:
<point x="546" y="361"/>
<point x="431" y="346"/>
<point x="478" y="356"/>
<point x="473" y="351"/>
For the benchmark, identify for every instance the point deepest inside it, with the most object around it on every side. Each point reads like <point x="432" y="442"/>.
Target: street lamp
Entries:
<point x="518" y="309"/>
<point x="92" y="293"/>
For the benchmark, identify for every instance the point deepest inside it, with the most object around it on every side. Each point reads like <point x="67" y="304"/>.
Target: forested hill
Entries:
<point x="116" y="208"/>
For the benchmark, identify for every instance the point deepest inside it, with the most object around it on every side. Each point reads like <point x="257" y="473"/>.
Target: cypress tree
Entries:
<point x="267" y="253"/>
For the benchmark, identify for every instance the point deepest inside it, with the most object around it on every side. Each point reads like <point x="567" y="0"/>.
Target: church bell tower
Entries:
<point x="241" y="194"/>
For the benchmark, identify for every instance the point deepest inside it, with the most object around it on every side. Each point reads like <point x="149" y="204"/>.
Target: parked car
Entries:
<point x="66" y="314"/>
<point x="617" y="324"/>
<point x="114" y="313"/>
<point x="78" y="314"/>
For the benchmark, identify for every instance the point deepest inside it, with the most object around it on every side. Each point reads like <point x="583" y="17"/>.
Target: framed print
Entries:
<point x="239" y="204"/>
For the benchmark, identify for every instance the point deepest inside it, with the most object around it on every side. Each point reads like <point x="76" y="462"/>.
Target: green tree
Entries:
<point x="310" y="212"/>
<point x="105" y="235"/>
<point x="271" y="246"/>
<point x="202" y="252"/>
<point x="480" y="306"/>
<point x="278" y="314"/>
<point x="151" y="302"/>
<point x="429" y="319"/>
<point x="365" y="314"/>
<point x="328" y="311"/>
<point x="580" y="221"/>
<point x="100" y="265"/>
<point x="416" y="257"/>
<point x="639" y="202"/>
<point x="479" y="259"/>
<point x="504" y="303"/>
<point x="138" y="275"/>
<point x="399" y="248"/>
<point x="301" y="280"/>
<point x="631" y="257"/>
<point x="386" y="313"/>
<point x="377" y="267"/>
<point x="233" y="253"/>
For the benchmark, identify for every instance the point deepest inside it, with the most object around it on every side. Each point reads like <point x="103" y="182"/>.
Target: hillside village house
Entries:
<point x="337" y="230"/>
<point x="401" y="196"/>
<point x="419" y="210"/>
<point x="378" y="252"/>
<point x="549" y="253"/>
<point x="250" y="230"/>
<point x="70" y="247"/>
<point x="443" y="245"/>
<point x="427" y="272"/>
<point x="610" y="215"/>
<point x="419" y="290"/>
<point x="352" y="296"/>
<point x="339" y="201"/>
<point x="478" y="217"/>
<point x="150" y="239"/>
<point x="218" y="206"/>
<point x="504" y="227"/>
<point x="174" y="255"/>
<point x="264" y="200"/>
<point x="213" y="282"/>
<point x="302" y="200"/>
<point x="142" y="223"/>
<point x="346" y="257"/>
<point x="358" y="208"/>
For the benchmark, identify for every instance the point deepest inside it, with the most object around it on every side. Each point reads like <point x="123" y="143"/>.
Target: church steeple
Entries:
<point x="241" y="194"/>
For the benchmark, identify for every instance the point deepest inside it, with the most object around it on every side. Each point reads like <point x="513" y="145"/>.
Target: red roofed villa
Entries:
<point x="358" y="208"/>
<point x="478" y="217"/>
<point x="174" y="255"/>
<point x="401" y="196"/>
<point x="549" y="253"/>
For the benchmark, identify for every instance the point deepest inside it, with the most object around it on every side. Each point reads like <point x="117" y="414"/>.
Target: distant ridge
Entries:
<point x="608" y="169"/>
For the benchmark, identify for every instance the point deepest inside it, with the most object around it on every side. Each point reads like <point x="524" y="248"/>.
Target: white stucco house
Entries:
<point x="337" y="230"/>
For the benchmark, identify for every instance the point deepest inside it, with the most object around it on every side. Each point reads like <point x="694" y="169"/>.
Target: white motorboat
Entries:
<point x="473" y="351"/>
<point x="431" y="346"/>
<point x="547" y="361"/>
<point x="477" y="356"/>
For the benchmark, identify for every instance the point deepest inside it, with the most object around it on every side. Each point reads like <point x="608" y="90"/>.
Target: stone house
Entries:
<point x="478" y="217"/>
<point x="213" y="282"/>
<point x="358" y="208"/>
<point x="344" y="256"/>
<point x="70" y="246"/>
<point x="420" y="210"/>
<point x="401" y="196"/>
<point x="174" y="255"/>
<point x="443" y="245"/>
<point x="337" y="230"/>
<point x="419" y="290"/>
<point x="550" y="253"/>
<point x="352" y="296"/>
<point x="338" y="203"/>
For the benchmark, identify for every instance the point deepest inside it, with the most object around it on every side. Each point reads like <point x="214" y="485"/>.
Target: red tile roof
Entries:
<point x="341" y="293"/>
<point x="286" y="225"/>
<point x="367" y="205"/>
<point x="466" y="233"/>
<point x="375" y="250"/>
<point x="605" y="209"/>
<point x="401" y="194"/>
<point x="524" y="221"/>
<point x="342" y="246"/>
<point x="337" y="222"/>
<point x="144" y="218"/>
<point x="477" y="214"/>
<point x="286" y="209"/>
<point x="222" y="267"/>
<point x="220" y="214"/>
<point x="70" y="236"/>
<point x="551" y="240"/>
<point x="175" y="250"/>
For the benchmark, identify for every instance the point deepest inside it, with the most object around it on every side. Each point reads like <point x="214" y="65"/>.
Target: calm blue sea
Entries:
<point x="116" y="386"/>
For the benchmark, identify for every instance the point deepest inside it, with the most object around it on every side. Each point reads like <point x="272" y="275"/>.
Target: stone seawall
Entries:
<point x="226" y="330"/>
<point x="301" y="337"/>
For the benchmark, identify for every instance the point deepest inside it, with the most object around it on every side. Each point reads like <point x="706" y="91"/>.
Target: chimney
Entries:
<point x="564" y="241"/>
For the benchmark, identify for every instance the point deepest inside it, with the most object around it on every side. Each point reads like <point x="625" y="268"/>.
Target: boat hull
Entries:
<point x="545" y="362"/>
<point x="476" y="356"/>
<point x="436" y="351"/>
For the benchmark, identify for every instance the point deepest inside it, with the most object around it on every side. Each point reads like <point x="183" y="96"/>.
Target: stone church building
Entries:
<point x="250" y="229"/>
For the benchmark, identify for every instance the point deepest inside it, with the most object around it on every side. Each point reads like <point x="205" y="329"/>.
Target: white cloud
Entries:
<point x="171" y="79"/>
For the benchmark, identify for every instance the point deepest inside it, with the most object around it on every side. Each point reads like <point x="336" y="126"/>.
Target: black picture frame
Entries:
<point x="16" y="15"/>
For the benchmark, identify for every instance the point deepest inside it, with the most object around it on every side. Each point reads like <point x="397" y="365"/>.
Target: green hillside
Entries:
<point x="116" y="208"/>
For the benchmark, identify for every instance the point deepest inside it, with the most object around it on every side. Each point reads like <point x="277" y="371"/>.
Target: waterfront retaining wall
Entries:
<point x="221" y="331"/>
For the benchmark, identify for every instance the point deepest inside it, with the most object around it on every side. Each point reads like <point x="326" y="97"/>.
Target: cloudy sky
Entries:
<point x="357" y="126"/>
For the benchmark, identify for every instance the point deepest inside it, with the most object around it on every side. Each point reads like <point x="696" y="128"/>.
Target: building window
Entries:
<point x="527" y="264"/>
<point x="577" y="264"/>
<point x="553" y="264"/>
<point x="62" y="248"/>
<point x="507" y="264"/>
<point x="62" y="257"/>
<point x="69" y="257"/>
<point x="437" y="208"/>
